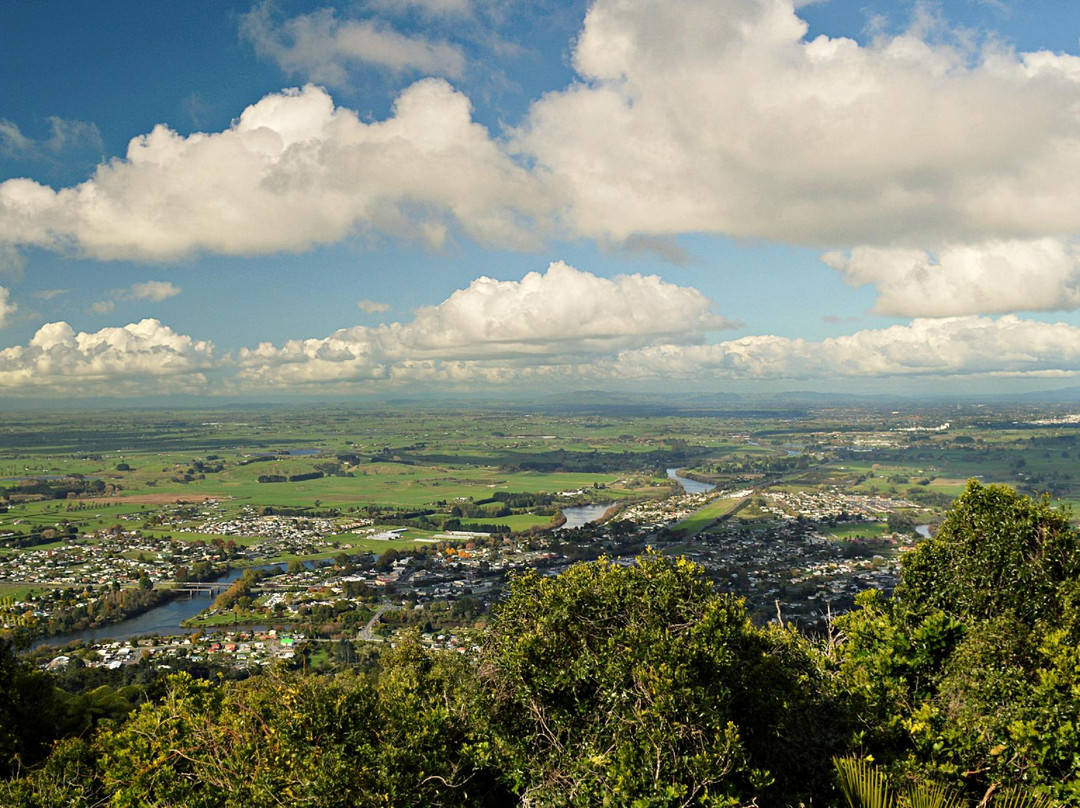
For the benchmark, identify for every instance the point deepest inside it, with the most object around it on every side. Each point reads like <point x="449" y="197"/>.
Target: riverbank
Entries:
<point x="164" y="618"/>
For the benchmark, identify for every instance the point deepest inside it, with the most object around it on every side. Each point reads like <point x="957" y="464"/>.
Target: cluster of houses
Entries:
<point x="121" y="557"/>
<point x="249" y="523"/>
<point x="790" y="565"/>
<point x="658" y="513"/>
<point x="239" y="648"/>
<point x="825" y="505"/>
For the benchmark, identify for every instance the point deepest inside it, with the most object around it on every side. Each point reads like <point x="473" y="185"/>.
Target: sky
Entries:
<point x="268" y="200"/>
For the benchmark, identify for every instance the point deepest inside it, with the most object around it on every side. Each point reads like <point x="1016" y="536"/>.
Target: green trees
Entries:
<point x="997" y="553"/>
<point x="971" y="673"/>
<point x="399" y="738"/>
<point x="402" y="737"/>
<point x="27" y="712"/>
<point x="641" y="686"/>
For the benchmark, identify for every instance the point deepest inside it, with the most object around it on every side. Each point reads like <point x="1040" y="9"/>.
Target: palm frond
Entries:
<point x="925" y="795"/>
<point x="864" y="784"/>
<point x="1015" y="798"/>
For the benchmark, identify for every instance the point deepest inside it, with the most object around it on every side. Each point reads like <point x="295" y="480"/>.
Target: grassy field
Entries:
<point x="17" y="591"/>
<point x="863" y="530"/>
<point x="523" y="521"/>
<point x="716" y="509"/>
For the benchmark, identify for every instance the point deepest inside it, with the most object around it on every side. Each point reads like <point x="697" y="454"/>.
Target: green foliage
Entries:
<point x="641" y="686"/>
<point x="68" y="777"/>
<point x="996" y="553"/>
<point x="344" y="740"/>
<point x="866" y="785"/>
<point x="971" y="674"/>
<point x="27" y="712"/>
<point x="79" y="713"/>
<point x="900" y="523"/>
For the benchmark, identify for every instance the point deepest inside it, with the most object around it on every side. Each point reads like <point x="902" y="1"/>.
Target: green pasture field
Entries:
<point x="709" y="514"/>
<point x="516" y="522"/>
<point x="949" y="486"/>
<point x="865" y="530"/>
<point x="359" y="544"/>
<point x="430" y="456"/>
<point x="385" y="484"/>
<point x="19" y="591"/>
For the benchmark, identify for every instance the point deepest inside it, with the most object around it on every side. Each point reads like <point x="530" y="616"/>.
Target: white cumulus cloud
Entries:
<point x="291" y="173"/>
<point x="723" y="117"/>
<point x="320" y="47"/>
<point x="998" y="276"/>
<point x="500" y="329"/>
<point x="143" y="357"/>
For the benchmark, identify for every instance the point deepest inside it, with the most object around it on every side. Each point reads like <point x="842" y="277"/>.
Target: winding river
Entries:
<point x="578" y="515"/>
<point x="689" y="486"/>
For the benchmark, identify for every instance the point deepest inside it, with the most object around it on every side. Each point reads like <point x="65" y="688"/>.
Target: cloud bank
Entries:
<point x="557" y="330"/>
<point x="947" y="347"/>
<point x="499" y="329"/>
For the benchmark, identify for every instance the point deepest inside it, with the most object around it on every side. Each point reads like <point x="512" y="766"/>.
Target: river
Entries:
<point x="578" y="515"/>
<point x="163" y="620"/>
<point x="688" y="485"/>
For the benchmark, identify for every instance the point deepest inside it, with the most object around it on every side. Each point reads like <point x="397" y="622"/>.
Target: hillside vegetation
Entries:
<point x="626" y="685"/>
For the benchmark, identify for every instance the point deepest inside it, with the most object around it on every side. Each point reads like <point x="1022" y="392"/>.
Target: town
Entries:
<point x="419" y="528"/>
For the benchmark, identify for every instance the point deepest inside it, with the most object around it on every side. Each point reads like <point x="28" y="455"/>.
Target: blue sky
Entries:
<point x="389" y="197"/>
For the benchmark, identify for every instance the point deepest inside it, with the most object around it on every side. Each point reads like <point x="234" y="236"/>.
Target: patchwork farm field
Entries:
<point x="75" y="474"/>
